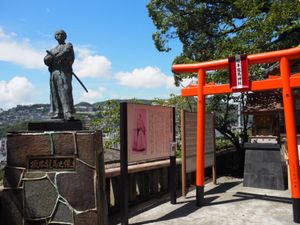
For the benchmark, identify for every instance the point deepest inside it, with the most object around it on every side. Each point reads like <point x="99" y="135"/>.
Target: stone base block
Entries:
<point x="264" y="167"/>
<point x="54" y="178"/>
<point x="55" y="125"/>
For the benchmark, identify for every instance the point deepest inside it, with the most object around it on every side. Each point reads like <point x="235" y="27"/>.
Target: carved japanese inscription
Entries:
<point x="51" y="163"/>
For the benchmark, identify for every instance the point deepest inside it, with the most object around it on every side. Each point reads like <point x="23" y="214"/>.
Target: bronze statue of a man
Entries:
<point x="60" y="60"/>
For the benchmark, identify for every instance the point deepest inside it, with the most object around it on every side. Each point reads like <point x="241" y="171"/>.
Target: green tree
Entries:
<point x="108" y="121"/>
<point x="15" y="127"/>
<point x="216" y="29"/>
<point x="213" y="29"/>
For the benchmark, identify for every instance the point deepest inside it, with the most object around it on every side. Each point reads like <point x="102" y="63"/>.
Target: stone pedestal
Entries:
<point x="264" y="167"/>
<point x="55" y="125"/>
<point x="54" y="178"/>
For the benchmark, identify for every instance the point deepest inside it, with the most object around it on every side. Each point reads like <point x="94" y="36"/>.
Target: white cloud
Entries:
<point x="187" y="81"/>
<point x="22" y="53"/>
<point x="170" y="82"/>
<point x="93" y="95"/>
<point x="89" y="65"/>
<point x="19" y="90"/>
<point x="83" y="52"/>
<point x="19" y="52"/>
<point x="148" y="77"/>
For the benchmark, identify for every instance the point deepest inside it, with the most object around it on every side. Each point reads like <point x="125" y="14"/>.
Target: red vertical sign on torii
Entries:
<point x="238" y="69"/>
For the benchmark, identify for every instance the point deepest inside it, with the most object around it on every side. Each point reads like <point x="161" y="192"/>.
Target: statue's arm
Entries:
<point x="65" y="52"/>
<point x="48" y="59"/>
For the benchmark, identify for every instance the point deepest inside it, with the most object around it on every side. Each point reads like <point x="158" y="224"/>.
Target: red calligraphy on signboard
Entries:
<point x="238" y="69"/>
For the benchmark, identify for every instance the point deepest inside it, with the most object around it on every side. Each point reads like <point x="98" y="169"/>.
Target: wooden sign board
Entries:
<point x="189" y="135"/>
<point x="150" y="132"/>
<point x="189" y="141"/>
<point x="147" y="133"/>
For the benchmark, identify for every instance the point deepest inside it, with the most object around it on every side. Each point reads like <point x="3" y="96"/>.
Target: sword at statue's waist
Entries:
<point x="50" y="53"/>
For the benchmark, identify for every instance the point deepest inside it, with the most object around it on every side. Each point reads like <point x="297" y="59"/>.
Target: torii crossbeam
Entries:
<point x="285" y="81"/>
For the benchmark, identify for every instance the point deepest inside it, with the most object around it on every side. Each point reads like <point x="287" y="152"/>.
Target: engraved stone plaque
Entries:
<point x="51" y="163"/>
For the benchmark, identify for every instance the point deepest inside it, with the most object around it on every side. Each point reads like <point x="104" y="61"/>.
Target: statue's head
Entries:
<point x="60" y="35"/>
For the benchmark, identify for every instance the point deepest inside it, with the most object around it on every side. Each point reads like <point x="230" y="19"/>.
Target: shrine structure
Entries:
<point x="239" y="82"/>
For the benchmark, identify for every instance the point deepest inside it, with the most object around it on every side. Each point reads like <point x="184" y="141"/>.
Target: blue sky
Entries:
<point x="112" y="39"/>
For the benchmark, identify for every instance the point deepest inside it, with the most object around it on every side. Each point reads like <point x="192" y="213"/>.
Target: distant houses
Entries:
<point x="38" y="112"/>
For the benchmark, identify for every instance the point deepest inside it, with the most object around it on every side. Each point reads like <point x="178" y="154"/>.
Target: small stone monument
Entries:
<point x="264" y="167"/>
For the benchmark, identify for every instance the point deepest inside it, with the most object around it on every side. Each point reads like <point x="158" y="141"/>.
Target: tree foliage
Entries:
<point x="108" y="121"/>
<point x="213" y="29"/>
<point x="15" y="127"/>
<point x="216" y="29"/>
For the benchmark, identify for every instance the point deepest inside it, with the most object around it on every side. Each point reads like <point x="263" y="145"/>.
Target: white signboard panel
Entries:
<point x="150" y="132"/>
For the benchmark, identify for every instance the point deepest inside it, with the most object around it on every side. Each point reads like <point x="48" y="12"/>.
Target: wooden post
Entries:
<point x="108" y="192"/>
<point x="183" y="154"/>
<point x="124" y="163"/>
<point x="172" y="179"/>
<point x="173" y="166"/>
<point x="214" y="167"/>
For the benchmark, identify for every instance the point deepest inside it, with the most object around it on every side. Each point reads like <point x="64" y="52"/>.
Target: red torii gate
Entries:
<point x="285" y="81"/>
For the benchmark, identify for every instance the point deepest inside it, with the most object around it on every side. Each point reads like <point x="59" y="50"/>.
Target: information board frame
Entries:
<point x="126" y="136"/>
<point x="188" y="144"/>
<point x="149" y="132"/>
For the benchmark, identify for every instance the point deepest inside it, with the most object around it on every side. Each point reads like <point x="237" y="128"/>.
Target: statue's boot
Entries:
<point x="57" y="116"/>
<point x="69" y="116"/>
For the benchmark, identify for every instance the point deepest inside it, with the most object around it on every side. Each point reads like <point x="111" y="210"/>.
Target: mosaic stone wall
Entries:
<point x="54" y="178"/>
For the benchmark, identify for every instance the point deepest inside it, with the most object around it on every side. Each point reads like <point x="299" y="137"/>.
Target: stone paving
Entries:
<point x="227" y="203"/>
